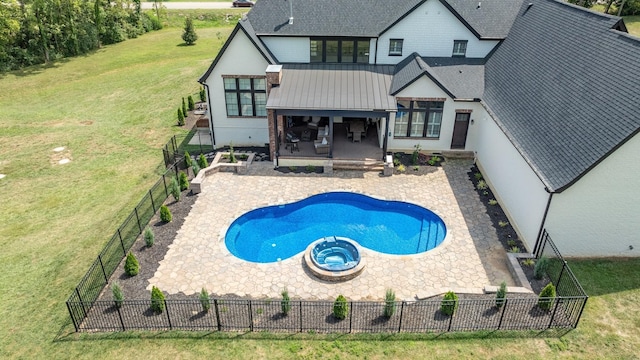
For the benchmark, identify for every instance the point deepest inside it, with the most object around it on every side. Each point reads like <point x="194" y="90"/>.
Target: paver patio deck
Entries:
<point x="470" y="258"/>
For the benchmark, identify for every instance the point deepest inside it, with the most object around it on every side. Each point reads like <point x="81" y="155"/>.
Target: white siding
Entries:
<point x="425" y="88"/>
<point x="430" y="31"/>
<point x="240" y="58"/>
<point x="517" y="188"/>
<point x="288" y="49"/>
<point x="599" y="214"/>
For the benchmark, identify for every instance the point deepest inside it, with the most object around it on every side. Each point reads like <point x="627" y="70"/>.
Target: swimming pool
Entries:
<point x="274" y="233"/>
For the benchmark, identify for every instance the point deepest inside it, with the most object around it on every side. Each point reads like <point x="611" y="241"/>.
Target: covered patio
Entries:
<point x="335" y="111"/>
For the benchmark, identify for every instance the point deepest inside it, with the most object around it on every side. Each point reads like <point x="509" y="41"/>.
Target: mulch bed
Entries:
<point x="422" y="166"/>
<point x="506" y="233"/>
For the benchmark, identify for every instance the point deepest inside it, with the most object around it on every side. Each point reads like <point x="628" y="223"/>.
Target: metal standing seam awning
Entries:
<point x="341" y="89"/>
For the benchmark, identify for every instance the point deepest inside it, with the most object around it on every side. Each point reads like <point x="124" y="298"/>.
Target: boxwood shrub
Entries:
<point x="340" y="308"/>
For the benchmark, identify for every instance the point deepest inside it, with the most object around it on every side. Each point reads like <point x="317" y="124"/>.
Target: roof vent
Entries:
<point x="479" y="4"/>
<point x="290" y="12"/>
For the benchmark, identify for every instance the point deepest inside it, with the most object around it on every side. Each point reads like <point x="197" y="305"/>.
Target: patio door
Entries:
<point x="460" y="129"/>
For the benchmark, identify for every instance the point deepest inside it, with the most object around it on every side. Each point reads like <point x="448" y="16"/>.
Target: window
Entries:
<point x="333" y="50"/>
<point x="395" y="47"/>
<point x="418" y="119"/>
<point x="459" y="48"/>
<point x="246" y="96"/>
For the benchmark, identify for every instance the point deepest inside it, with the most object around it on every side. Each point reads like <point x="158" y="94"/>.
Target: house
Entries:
<point x="544" y="94"/>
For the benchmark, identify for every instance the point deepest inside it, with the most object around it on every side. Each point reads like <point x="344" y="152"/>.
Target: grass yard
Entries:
<point x="112" y="111"/>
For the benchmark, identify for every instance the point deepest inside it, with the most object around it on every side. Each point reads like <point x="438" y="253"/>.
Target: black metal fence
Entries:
<point x="477" y="314"/>
<point x="173" y="150"/>
<point x="89" y="288"/>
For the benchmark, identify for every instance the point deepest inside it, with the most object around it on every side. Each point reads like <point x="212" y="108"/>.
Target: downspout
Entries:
<point x="209" y="108"/>
<point x="544" y="219"/>
<point x="375" y="55"/>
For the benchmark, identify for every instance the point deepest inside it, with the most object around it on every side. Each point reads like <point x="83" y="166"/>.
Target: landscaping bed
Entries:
<point x="415" y="164"/>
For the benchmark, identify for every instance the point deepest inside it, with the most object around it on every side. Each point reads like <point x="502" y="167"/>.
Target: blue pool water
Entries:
<point x="276" y="233"/>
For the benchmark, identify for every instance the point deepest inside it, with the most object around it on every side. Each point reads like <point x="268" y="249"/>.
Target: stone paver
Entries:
<point x="469" y="259"/>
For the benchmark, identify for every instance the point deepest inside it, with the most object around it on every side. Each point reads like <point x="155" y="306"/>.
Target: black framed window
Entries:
<point x="421" y="119"/>
<point x="337" y="50"/>
<point x="245" y="96"/>
<point x="395" y="47"/>
<point x="460" y="48"/>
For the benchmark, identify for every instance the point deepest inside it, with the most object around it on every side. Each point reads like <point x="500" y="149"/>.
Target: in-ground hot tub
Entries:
<point x="334" y="258"/>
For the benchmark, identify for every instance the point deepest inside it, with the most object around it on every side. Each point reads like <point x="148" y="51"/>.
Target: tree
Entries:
<point x="189" y="35"/>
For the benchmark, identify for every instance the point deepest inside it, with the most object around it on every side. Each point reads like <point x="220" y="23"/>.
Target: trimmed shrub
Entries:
<point x="180" y="117"/>
<point x="118" y="296"/>
<point x="501" y="294"/>
<point x="131" y="265"/>
<point x="203" y="94"/>
<point x="205" y="300"/>
<point x="547" y="297"/>
<point x="184" y="108"/>
<point x="157" y="300"/>
<point x="285" y="303"/>
<point x="165" y="214"/>
<point x="202" y="161"/>
<point x="540" y="268"/>
<point x="195" y="168"/>
<point x="389" y="303"/>
<point x="184" y="181"/>
<point x="174" y="189"/>
<point x="449" y="303"/>
<point x="191" y="104"/>
<point x="188" y="161"/>
<point x="340" y="308"/>
<point x="149" y="237"/>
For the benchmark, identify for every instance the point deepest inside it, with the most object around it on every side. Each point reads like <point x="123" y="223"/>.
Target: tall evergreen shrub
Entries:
<point x="189" y="34"/>
<point x="165" y="214"/>
<point x="180" y="117"/>
<point x="184" y="108"/>
<point x="184" y="181"/>
<point x="131" y="265"/>
<point x="191" y="103"/>
<point x="157" y="300"/>
<point x="340" y="308"/>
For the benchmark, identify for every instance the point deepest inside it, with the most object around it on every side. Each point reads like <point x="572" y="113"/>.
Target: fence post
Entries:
<point x="73" y="318"/>
<point x="120" y="316"/>
<point x="166" y="190"/>
<point x="153" y="205"/>
<point x="300" y="315"/>
<point x="135" y="210"/>
<point x="106" y="279"/>
<point x="564" y="265"/>
<point x="557" y="299"/>
<point x="400" y="322"/>
<point x="250" y="316"/>
<point x="168" y="317"/>
<point x="124" y="251"/>
<point x="350" y="315"/>
<point x="215" y="305"/>
<point x="81" y="302"/>
<point x="504" y="307"/>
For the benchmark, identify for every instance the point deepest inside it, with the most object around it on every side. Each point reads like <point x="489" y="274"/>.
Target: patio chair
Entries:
<point x="314" y="123"/>
<point x="321" y="146"/>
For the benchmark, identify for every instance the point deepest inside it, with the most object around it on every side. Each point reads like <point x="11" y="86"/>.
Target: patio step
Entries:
<point x="359" y="165"/>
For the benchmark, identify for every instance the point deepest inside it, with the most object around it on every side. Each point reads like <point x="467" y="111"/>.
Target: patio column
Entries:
<point x="274" y="122"/>
<point x="386" y="136"/>
<point x="331" y="135"/>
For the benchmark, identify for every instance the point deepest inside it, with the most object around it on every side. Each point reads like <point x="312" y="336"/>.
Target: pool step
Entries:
<point x="360" y="165"/>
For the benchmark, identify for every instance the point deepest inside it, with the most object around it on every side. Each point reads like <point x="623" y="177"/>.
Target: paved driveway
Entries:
<point x="470" y="258"/>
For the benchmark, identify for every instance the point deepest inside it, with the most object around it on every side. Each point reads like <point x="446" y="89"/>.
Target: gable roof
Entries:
<point x="246" y="27"/>
<point x="328" y="17"/>
<point x="561" y="87"/>
<point x="370" y="18"/>
<point x="460" y="78"/>
<point x="488" y="19"/>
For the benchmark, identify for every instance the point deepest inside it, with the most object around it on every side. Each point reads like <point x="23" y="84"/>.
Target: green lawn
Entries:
<point x="633" y="24"/>
<point x="113" y="110"/>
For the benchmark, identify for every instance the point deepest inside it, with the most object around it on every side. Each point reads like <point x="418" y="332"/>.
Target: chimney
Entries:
<point x="274" y="76"/>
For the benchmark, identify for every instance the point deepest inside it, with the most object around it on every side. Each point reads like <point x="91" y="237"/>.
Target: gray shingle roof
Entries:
<point x="563" y="87"/>
<point x="350" y="87"/>
<point x="460" y="78"/>
<point x="491" y="19"/>
<point x="327" y="17"/>
<point x="370" y="18"/>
